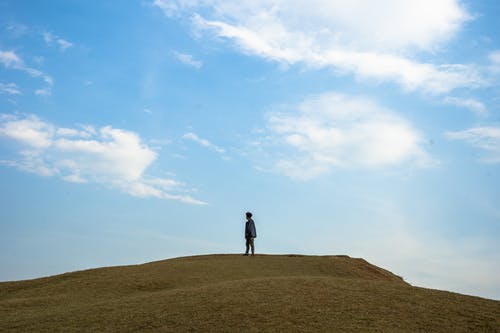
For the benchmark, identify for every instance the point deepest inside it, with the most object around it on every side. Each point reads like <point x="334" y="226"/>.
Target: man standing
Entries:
<point x="250" y="233"/>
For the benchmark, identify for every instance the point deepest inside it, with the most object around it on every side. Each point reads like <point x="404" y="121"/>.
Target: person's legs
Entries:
<point x="247" y="245"/>
<point x="252" y="245"/>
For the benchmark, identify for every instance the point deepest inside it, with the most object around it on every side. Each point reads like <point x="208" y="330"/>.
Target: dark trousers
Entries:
<point x="250" y="244"/>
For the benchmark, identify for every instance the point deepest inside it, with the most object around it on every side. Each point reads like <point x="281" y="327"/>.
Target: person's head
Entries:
<point x="248" y="215"/>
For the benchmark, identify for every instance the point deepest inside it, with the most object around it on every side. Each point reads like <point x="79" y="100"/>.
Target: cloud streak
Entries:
<point x="10" y="60"/>
<point x="188" y="60"/>
<point x="203" y="142"/>
<point x="51" y="39"/>
<point x="9" y="88"/>
<point x="486" y="138"/>
<point x="113" y="157"/>
<point x="469" y="103"/>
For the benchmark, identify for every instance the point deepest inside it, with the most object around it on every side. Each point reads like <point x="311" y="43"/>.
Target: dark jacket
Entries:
<point x="250" y="229"/>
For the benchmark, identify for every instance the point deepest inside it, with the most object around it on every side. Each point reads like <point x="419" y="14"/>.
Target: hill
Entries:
<point x="232" y="293"/>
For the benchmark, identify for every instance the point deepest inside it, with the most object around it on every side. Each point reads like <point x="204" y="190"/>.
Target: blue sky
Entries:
<point x="142" y="131"/>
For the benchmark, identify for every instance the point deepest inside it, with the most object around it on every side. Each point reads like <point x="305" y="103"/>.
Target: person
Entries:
<point x="250" y="233"/>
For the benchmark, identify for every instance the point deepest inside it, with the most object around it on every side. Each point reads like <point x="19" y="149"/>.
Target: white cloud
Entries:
<point x="203" y="142"/>
<point x="16" y="30"/>
<point x="383" y="24"/>
<point x="109" y="156"/>
<point x="9" y="88"/>
<point x="72" y="132"/>
<point x="48" y="37"/>
<point x="47" y="91"/>
<point x="373" y="40"/>
<point x="30" y="131"/>
<point x="51" y="39"/>
<point x="64" y="44"/>
<point x="170" y="8"/>
<point x="338" y="131"/>
<point x="12" y="61"/>
<point x="188" y="59"/>
<point x="468" y="103"/>
<point x="494" y="58"/>
<point x="486" y="138"/>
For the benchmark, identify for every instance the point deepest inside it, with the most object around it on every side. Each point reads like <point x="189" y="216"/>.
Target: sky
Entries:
<point x="144" y="130"/>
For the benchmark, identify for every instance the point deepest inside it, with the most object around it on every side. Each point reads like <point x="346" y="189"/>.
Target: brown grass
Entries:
<point x="232" y="293"/>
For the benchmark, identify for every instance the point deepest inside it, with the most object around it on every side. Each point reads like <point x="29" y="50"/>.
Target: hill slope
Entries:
<point x="231" y="293"/>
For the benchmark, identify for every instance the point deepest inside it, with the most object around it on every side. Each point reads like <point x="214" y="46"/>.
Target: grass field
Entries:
<point x="232" y="293"/>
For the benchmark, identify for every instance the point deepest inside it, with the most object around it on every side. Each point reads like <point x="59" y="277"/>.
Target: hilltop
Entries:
<point x="232" y="293"/>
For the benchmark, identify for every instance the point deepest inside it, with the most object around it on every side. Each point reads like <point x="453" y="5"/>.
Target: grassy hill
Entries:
<point x="232" y="293"/>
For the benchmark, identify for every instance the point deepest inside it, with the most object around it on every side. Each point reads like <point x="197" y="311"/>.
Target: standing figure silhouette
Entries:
<point x="250" y="234"/>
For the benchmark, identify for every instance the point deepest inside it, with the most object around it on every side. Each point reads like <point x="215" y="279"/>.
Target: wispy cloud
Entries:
<point x="468" y="103"/>
<point x="203" y="142"/>
<point x="188" y="60"/>
<point x="109" y="156"/>
<point x="494" y="58"/>
<point x="170" y="8"/>
<point x="47" y="91"/>
<point x="51" y="39"/>
<point x="338" y="131"/>
<point x="9" y="88"/>
<point x="11" y="60"/>
<point x="486" y="138"/>
<point x="16" y="30"/>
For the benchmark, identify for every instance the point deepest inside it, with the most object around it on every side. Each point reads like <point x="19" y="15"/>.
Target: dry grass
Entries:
<point x="231" y="293"/>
